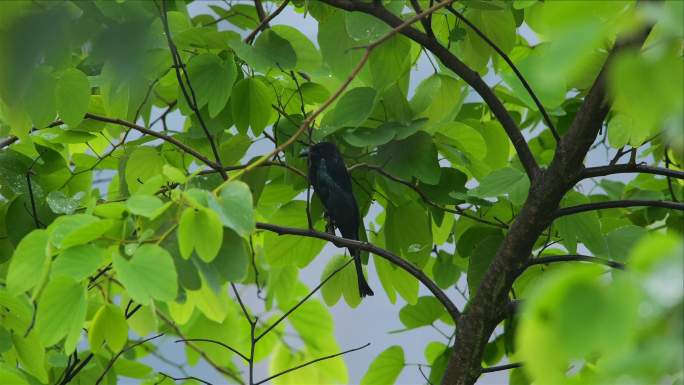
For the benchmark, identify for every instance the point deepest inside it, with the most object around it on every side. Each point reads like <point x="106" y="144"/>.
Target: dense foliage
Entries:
<point x="116" y="225"/>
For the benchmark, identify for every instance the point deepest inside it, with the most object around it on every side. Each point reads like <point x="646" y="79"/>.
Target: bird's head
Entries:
<point x="322" y="150"/>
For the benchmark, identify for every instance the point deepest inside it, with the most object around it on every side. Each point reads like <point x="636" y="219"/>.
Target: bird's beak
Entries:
<point x="304" y="153"/>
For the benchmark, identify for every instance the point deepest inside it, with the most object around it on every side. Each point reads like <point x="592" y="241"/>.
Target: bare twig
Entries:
<point x="501" y="367"/>
<point x="617" y="204"/>
<point x="508" y="60"/>
<point x="122" y="351"/>
<point x="309" y="363"/>
<point x="264" y="20"/>
<point x="214" y="342"/>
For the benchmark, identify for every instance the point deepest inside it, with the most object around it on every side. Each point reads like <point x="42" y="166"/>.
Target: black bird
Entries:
<point x="331" y="182"/>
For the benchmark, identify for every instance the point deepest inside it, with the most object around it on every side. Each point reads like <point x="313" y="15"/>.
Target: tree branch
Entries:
<point x="310" y="362"/>
<point x="122" y="351"/>
<point x="592" y="172"/>
<point x="396" y="260"/>
<point x="571" y="257"/>
<point x="244" y="357"/>
<point x="617" y="204"/>
<point x="508" y="60"/>
<point x="293" y="308"/>
<point x="501" y="367"/>
<point x="190" y="98"/>
<point x="6" y="142"/>
<point x="471" y="77"/>
<point x="456" y="210"/>
<point x="264" y="20"/>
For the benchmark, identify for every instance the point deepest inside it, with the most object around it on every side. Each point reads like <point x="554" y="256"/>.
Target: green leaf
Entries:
<point x="415" y="156"/>
<point x="507" y="180"/>
<point x="73" y="96"/>
<point x="10" y="375"/>
<point x="29" y="262"/>
<point x="424" y="313"/>
<point x="313" y="315"/>
<point x="390" y="61"/>
<point x="212" y="79"/>
<point x="411" y="242"/>
<point x="149" y="274"/>
<point x="79" y="261"/>
<point x="332" y="290"/>
<point x="234" y="207"/>
<point x="308" y="57"/>
<point x="76" y="229"/>
<point x="201" y="230"/>
<point x="621" y="240"/>
<point x="464" y="137"/>
<point x="61" y="204"/>
<point x="385" y="368"/>
<point x="144" y="163"/>
<point x="365" y="137"/>
<point x="61" y="312"/>
<point x="279" y="50"/>
<point x="109" y="324"/>
<point x="290" y="250"/>
<point x="233" y="256"/>
<point x="251" y="104"/>
<point x="438" y="98"/>
<point x="336" y="45"/>
<point x="31" y="355"/>
<point x="481" y="258"/>
<point x="40" y="98"/>
<point x="582" y="227"/>
<point x="352" y="109"/>
<point x="144" y="205"/>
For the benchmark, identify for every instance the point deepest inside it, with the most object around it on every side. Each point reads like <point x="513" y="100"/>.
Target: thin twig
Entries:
<point x="618" y="204"/>
<point x="508" y="60"/>
<point x="213" y="342"/>
<point x="122" y="351"/>
<point x="293" y="308"/>
<point x="501" y="367"/>
<point x="310" y="362"/>
<point x="265" y="20"/>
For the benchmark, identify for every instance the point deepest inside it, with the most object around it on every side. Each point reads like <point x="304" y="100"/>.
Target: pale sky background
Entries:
<point x="376" y="316"/>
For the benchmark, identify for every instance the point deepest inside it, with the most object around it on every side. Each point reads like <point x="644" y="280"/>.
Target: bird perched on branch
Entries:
<point x="331" y="182"/>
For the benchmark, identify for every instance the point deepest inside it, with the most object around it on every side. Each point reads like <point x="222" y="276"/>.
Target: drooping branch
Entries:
<point x="189" y="93"/>
<point x="394" y="259"/>
<point x="517" y="72"/>
<point x="592" y="172"/>
<point x="471" y="77"/>
<point x="618" y="204"/>
<point x="545" y="260"/>
<point x="309" y="363"/>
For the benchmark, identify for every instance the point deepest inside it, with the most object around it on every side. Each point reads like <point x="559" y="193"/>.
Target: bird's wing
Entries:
<point x="338" y="171"/>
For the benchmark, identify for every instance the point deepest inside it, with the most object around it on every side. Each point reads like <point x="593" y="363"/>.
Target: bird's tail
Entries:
<point x="364" y="289"/>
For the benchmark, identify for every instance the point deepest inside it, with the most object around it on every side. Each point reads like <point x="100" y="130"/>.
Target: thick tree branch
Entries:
<point x="486" y="308"/>
<point x="617" y="204"/>
<point x="394" y="259"/>
<point x="592" y="172"/>
<point x="471" y="77"/>
<point x="508" y="60"/>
